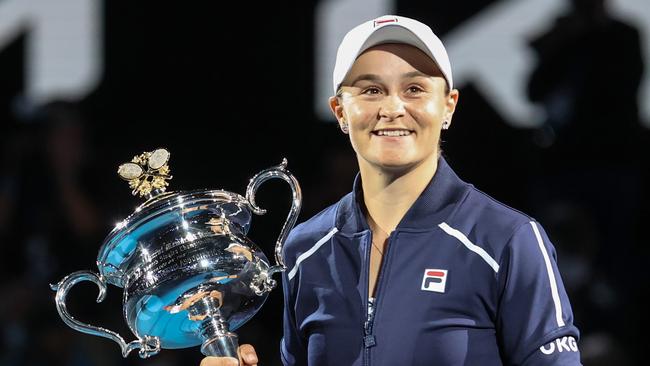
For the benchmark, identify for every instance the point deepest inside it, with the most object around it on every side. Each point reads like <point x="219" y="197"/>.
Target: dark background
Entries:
<point x="230" y="93"/>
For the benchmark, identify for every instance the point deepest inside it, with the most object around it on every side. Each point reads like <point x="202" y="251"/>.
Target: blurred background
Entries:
<point x="553" y="120"/>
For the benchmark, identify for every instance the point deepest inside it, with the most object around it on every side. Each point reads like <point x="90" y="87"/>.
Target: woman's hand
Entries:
<point x="247" y="357"/>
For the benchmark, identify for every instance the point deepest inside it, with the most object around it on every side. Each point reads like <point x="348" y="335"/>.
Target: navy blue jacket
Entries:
<point x="465" y="280"/>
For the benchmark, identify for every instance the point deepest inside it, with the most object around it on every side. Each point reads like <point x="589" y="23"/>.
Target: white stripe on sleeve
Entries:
<point x="471" y="246"/>
<point x="551" y="276"/>
<point x="311" y="251"/>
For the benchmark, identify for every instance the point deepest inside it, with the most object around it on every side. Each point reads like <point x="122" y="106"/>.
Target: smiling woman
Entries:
<point x="393" y="102"/>
<point x="415" y="266"/>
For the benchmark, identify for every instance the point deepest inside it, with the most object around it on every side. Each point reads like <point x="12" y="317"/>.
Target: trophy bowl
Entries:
<point x="189" y="273"/>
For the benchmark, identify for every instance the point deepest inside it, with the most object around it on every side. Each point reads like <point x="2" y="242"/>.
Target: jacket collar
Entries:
<point x="434" y="205"/>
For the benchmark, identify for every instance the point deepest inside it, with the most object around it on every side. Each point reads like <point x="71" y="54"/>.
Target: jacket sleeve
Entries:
<point x="534" y="320"/>
<point x="292" y="346"/>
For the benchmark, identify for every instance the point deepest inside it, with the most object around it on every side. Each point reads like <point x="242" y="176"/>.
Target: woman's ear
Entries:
<point x="337" y="111"/>
<point x="450" y="106"/>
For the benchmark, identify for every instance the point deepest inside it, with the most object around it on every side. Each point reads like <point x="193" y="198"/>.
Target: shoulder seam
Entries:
<point x="512" y="235"/>
<point x="499" y="203"/>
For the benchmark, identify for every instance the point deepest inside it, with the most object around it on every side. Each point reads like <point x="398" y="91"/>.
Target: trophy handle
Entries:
<point x="279" y="171"/>
<point x="148" y="346"/>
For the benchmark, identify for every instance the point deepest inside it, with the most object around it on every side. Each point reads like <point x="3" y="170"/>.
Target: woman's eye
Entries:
<point x="371" y="90"/>
<point x="414" y="89"/>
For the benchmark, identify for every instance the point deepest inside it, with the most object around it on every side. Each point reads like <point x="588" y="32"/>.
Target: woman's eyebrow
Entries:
<point x="366" y="77"/>
<point x="415" y="74"/>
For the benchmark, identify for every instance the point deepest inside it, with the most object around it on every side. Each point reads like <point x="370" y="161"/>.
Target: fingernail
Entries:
<point x="249" y="358"/>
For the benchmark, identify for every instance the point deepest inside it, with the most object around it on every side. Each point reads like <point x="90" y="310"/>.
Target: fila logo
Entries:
<point x="434" y="280"/>
<point x="561" y="344"/>
<point x="379" y="22"/>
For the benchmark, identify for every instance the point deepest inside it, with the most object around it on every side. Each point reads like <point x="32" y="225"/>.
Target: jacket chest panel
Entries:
<point x="439" y="281"/>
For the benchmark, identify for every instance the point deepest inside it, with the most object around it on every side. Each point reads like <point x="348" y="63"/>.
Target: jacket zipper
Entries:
<point x="367" y="324"/>
<point x="369" y="339"/>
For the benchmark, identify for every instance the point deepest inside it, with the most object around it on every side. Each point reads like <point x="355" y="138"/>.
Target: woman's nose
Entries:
<point x="392" y="107"/>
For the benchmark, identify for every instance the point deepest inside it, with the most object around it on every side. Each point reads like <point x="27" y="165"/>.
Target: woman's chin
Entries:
<point x="395" y="165"/>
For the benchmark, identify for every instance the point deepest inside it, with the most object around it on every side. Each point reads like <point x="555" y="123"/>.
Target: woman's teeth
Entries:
<point x="393" y="133"/>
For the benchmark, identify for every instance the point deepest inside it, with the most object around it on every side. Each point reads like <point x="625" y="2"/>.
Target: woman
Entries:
<point x="415" y="266"/>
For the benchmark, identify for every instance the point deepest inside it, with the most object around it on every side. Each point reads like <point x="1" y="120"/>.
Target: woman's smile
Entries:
<point x="392" y="132"/>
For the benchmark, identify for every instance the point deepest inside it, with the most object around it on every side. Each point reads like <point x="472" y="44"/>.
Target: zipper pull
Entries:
<point x="369" y="341"/>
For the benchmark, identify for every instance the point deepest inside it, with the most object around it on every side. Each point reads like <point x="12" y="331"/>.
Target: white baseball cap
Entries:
<point x="389" y="29"/>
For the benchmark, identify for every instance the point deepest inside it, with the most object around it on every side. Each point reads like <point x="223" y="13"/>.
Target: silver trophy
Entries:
<point x="189" y="273"/>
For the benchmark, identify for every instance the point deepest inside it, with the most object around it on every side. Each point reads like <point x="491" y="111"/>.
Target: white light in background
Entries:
<point x="64" y="45"/>
<point x="489" y="50"/>
<point x="332" y="20"/>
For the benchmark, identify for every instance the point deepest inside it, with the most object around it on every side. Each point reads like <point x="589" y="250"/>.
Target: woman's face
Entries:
<point x="394" y="102"/>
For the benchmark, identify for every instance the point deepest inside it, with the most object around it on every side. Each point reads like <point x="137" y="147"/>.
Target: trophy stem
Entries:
<point x="218" y="340"/>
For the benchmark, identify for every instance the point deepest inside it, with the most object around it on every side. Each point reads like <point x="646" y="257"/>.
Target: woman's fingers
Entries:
<point x="248" y="354"/>
<point x="219" y="361"/>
